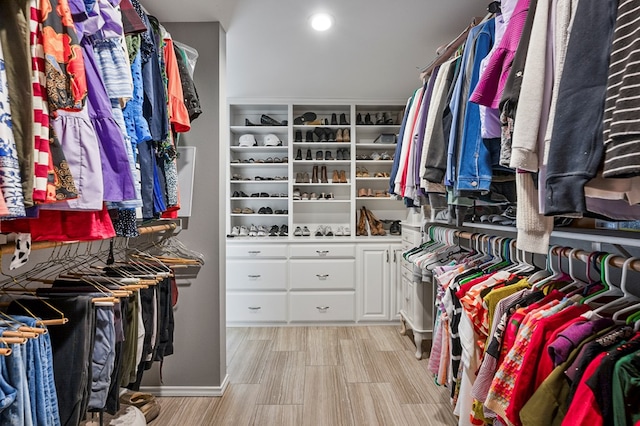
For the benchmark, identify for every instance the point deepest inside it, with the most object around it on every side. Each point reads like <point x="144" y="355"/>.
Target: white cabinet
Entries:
<point x="256" y="307"/>
<point x="417" y="296"/>
<point x="377" y="272"/>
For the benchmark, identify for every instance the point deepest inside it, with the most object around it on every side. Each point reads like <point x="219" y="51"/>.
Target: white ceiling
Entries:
<point x="374" y="50"/>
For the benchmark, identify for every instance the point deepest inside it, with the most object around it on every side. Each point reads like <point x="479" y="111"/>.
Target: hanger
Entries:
<point x="626" y="296"/>
<point x="575" y="282"/>
<point x="556" y="274"/>
<point x="608" y="290"/>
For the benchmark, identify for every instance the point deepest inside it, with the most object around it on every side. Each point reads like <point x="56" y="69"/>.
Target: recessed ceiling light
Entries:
<point x="321" y="21"/>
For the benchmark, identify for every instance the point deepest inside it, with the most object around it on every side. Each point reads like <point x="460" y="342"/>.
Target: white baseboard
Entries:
<point x="185" y="391"/>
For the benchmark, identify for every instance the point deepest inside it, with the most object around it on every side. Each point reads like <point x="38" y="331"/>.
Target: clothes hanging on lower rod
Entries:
<point x="496" y="319"/>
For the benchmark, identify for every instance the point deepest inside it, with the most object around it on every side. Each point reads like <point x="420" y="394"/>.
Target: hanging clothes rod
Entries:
<point x="41" y="245"/>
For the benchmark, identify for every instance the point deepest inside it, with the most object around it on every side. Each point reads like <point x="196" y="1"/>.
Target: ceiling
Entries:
<point x="374" y="50"/>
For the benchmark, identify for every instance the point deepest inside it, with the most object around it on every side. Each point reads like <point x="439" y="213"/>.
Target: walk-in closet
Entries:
<point x="250" y="212"/>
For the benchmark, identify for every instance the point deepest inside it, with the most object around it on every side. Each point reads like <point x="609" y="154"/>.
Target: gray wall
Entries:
<point x="199" y="358"/>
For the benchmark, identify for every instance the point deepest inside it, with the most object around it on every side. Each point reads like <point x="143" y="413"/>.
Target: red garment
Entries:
<point x="525" y="385"/>
<point x="545" y="364"/>
<point x="178" y="114"/>
<point x="57" y="225"/>
<point x="584" y="407"/>
<point x="464" y="288"/>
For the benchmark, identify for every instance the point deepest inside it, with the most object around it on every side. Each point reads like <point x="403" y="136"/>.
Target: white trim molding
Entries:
<point x="186" y="391"/>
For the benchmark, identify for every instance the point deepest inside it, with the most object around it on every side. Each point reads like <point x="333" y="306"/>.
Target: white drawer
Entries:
<point x="320" y="306"/>
<point x="322" y="250"/>
<point x="257" y="275"/>
<point x="258" y="251"/>
<point x="256" y="307"/>
<point x="323" y="274"/>
<point x="411" y="236"/>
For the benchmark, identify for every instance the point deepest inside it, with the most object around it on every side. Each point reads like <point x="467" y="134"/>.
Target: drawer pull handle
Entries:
<point x="254" y="276"/>
<point x="322" y="252"/>
<point x="254" y="252"/>
<point x="322" y="277"/>
<point x="322" y="308"/>
<point x="255" y="308"/>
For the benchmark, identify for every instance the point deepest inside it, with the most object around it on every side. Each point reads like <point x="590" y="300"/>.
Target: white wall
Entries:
<point x="373" y="52"/>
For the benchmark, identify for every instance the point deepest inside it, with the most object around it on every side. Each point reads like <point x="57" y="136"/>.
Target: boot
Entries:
<point x="308" y="136"/>
<point x="343" y="120"/>
<point x="343" y="176"/>
<point x="359" y="121"/>
<point x="323" y="174"/>
<point x="367" y="120"/>
<point x="361" y="227"/>
<point x="314" y="175"/>
<point x="308" y="157"/>
<point x="374" y="223"/>
<point x="298" y="136"/>
<point x="336" y="177"/>
<point x="299" y="154"/>
<point x="334" y="119"/>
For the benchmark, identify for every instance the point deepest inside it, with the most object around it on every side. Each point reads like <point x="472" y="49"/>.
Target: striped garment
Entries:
<point x="622" y="106"/>
<point x="42" y="169"/>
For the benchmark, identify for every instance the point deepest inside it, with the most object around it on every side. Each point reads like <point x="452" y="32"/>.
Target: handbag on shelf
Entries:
<point x="385" y="138"/>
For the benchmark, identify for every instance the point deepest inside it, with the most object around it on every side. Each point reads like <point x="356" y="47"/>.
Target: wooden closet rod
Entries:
<point x="41" y="245"/>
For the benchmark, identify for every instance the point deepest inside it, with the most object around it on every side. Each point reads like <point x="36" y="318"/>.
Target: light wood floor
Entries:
<point x="318" y="376"/>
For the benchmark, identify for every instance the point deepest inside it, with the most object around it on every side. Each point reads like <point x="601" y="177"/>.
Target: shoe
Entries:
<point x="331" y="135"/>
<point x="320" y="231"/>
<point x="235" y="231"/>
<point x="321" y="133"/>
<point x="359" y="121"/>
<point x="262" y="231"/>
<point x="305" y="177"/>
<point x="336" y="177"/>
<point x="308" y="137"/>
<point x="345" y="135"/>
<point x="308" y="157"/>
<point x="265" y="120"/>
<point x="319" y="156"/>
<point x="253" y="231"/>
<point x="261" y="210"/>
<point x="323" y="175"/>
<point x="313" y="196"/>
<point x="362" y="192"/>
<point x="328" y="196"/>
<point x="327" y="156"/>
<point x="365" y="172"/>
<point x="328" y="232"/>
<point x="244" y="231"/>
<point x="361" y="228"/>
<point x="369" y="192"/>
<point x="343" y="120"/>
<point x="339" y="155"/>
<point x="304" y="118"/>
<point x="237" y="210"/>
<point x="243" y="194"/>
<point x="268" y="210"/>
<point x="367" y="120"/>
<point x="305" y="231"/>
<point x="346" y="231"/>
<point x="298" y="137"/>
<point x="380" y="194"/>
<point x="346" y="154"/>
<point x="395" y="228"/>
<point x="343" y="176"/>
<point x="299" y="177"/>
<point x="235" y="194"/>
<point x="376" y="226"/>
<point x="248" y="123"/>
<point x="247" y="210"/>
<point x="385" y="156"/>
<point x="375" y="156"/>
<point x="305" y="196"/>
<point x="284" y="231"/>
<point x="314" y="175"/>
<point x="273" y="231"/>
<point x="299" y="154"/>
<point x="297" y="232"/>
<point x="334" y="119"/>
<point x="339" y="135"/>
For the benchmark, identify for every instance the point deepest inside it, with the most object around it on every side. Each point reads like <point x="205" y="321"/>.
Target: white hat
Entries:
<point x="248" y="140"/>
<point x="272" y="140"/>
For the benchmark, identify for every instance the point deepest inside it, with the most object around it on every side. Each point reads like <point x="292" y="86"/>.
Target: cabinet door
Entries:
<point x="396" y="281"/>
<point x="374" y="262"/>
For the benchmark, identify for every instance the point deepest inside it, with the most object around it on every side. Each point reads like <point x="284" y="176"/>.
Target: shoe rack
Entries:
<point x="328" y="166"/>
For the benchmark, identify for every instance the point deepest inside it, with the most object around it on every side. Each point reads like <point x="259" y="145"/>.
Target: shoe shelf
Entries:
<point x="388" y="147"/>
<point x="259" y="130"/>
<point x="375" y="162"/>
<point x="258" y="149"/>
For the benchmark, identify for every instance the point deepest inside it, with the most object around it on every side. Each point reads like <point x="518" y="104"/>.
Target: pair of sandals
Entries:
<point x="145" y="402"/>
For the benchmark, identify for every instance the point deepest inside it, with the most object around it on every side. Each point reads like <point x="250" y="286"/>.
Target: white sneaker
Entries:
<point x="305" y="232"/>
<point x="235" y="231"/>
<point x="262" y="231"/>
<point x="345" y="231"/>
<point x="339" y="232"/>
<point x="244" y="231"/>
<point x="253" y="231"/>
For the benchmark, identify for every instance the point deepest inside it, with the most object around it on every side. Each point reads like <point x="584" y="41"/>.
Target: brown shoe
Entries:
<point x="343" y="176"/>
<point x="323" y="174"/>
<point x="314" y="175"/>
<point x="362" y="192"/>
<point x="345" y="135"/>
<point x="336" y="177"/>
<point x="361" y="228"/>
<point x="339" y="135"/>
<point x="376" y="226"/>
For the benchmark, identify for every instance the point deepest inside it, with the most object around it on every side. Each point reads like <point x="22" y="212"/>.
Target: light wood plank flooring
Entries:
<point x="361" y="375"/>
